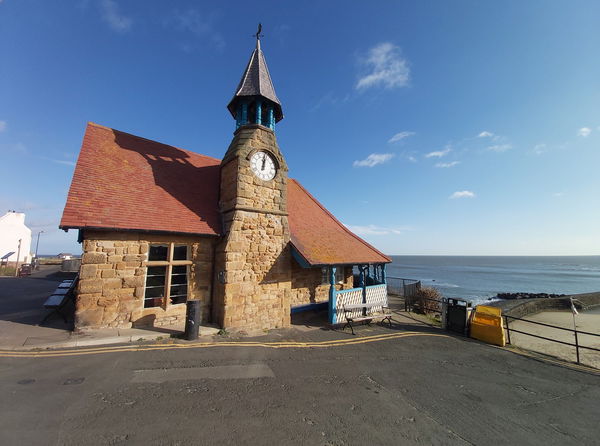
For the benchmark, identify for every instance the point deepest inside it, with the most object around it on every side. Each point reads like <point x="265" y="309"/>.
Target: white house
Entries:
<point x="13" y="229"/>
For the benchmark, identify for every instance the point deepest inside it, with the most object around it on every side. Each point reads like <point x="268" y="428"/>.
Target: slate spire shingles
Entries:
<point x="256" y="81"/>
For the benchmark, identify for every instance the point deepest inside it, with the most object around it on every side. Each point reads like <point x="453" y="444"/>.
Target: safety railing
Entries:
<point x="576" y="334"/>
<point x="399" y="286"/>
<point x="426" y="305"/>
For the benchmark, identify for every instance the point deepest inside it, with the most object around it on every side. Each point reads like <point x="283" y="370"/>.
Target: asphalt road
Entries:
<point x="21" y="299"/>
<point x="408" y="390"/>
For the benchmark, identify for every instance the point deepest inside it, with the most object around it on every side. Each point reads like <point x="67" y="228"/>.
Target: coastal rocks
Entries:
<point x="511" y="296"/>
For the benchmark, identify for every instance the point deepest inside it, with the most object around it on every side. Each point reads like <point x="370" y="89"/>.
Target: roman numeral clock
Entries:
<point x="263" y="165"/>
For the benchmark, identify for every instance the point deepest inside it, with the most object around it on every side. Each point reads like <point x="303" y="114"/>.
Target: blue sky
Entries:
<point x="451" y="127"/>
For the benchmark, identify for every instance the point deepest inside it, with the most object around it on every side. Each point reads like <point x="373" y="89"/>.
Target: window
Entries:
<point x="339" y="274"/>
<point x="167" y="275"/>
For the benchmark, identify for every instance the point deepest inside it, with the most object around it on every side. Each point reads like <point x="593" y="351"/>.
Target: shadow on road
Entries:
<point x="22" y="310"/>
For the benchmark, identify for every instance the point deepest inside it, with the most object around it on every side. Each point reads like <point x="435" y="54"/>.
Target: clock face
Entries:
<point x="263" y="166"/>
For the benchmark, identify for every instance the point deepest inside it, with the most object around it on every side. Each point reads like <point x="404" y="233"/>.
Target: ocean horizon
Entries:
<point x="479" y="278"/>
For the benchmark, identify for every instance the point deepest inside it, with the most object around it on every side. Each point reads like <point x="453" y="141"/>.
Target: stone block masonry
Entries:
<point x="112" y="280"/>
<point x="253" y="260"/>
<point x="308" y="286"/>
<point x="256" y="283"/>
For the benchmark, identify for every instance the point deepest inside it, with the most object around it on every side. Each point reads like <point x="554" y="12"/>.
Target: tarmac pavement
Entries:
<point x="411" y="384"/>
<point x="22" y="311"/>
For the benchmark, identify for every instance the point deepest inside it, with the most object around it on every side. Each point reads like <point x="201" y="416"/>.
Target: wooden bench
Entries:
<point x="59" y="299"/>
<point x="384" y="315"/>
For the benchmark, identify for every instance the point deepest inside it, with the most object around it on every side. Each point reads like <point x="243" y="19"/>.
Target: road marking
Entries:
<point x="281" y="344"/>
<point x="248" y="371"/>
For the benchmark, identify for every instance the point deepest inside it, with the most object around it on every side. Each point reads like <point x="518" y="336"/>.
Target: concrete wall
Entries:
<point x="526" y="307"/>
<point x="110" y="292"/>
<point x="12" y="228"/>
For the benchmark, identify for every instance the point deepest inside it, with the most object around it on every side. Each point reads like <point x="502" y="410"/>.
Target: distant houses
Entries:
<point x="15" y="238"/>
<point x="65" y="256"/>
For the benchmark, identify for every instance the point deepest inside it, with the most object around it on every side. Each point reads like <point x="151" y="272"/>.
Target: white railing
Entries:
<point x="374" y="293"/>
<point x="347" y="297"/>
<point x="377" y="293"/>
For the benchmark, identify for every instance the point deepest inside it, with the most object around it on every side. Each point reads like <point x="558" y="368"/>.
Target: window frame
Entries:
<point x="169" y="263"/>
<point x="340" y="275"/>
<point x="340" y="271"/>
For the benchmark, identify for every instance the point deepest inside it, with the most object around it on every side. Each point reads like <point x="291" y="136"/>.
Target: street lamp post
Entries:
<point x="37" y="245"/>
<point x="18" y="255"/>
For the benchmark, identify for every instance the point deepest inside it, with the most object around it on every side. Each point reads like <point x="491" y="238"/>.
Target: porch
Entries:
<point x="368" y="285"/>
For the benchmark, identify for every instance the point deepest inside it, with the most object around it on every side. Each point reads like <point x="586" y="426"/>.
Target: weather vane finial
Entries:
<point x="258" y="33"/>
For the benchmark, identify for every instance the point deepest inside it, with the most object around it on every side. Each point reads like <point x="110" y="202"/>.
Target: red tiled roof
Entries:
<point x="320" y="238"/>
<point x="122" y="181"/>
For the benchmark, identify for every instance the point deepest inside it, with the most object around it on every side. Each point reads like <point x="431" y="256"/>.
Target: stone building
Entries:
<point x="162" y="225"/>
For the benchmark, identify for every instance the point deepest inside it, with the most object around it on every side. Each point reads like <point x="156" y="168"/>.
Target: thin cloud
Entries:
<point x="584" y="132"/>
<point x="447" y="165"/>
<point x="438" y="153"/>
<point x="373" y="160"/>
<point x="485" y="134"/>
<point x="462" y="194"/>
<point x="112" y="15"/>
<point x="387" y="68"/>
<point x="2" y="123"/>
<point x="195" y="22"/>
<point x="329" y="99"/>
<point x="400" y="136"/>
<point x="538" y="149"/>
<point x="377" y="230"/>
<point x="66" y="163"/>
<point x="500" y="148"/>
<point x="412" y="159"/>
<point x="17" y="148"/>
<point x="558" y="194"/>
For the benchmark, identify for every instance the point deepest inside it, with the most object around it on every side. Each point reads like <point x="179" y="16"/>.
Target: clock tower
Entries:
<point x="253" y="262"/>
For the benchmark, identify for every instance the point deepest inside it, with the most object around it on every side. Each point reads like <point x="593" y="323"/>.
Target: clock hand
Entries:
<point x="264" y="161"/>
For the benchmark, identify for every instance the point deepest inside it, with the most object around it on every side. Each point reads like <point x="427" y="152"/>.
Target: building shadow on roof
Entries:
<point x="195" y="187"/>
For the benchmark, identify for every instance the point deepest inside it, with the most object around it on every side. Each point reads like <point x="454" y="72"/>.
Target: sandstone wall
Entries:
<point x="254" y="290"/>
<point x="253" y="262"/>
<point x="307" y="286"/>
<point x="110" y="292"/>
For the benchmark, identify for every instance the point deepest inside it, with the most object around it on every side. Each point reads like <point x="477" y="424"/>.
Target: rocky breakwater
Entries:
<point x="513" y="296"/>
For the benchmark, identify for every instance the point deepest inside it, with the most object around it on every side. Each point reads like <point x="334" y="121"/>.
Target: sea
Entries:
<point x="480" y="278"/>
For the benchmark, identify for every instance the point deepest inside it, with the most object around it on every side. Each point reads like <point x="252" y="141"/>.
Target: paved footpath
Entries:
<point x="408" y="385"/>
<point x="21" y="312"/>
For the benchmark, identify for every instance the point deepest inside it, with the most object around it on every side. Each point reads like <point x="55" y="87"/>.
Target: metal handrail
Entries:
<point x="402" y="278"/>
<point x="574" y="331"/>
<point x="552" y="326"/>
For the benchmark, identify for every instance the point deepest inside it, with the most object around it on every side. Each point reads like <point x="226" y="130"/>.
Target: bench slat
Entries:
<point x="55" y="300"/>
<point x="367" y="305"/>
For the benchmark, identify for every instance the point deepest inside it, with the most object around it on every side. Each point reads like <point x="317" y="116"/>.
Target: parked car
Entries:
<point x="25" y="269"/>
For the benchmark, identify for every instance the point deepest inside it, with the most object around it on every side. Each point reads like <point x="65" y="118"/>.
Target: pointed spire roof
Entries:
<point x="256" y="81"/>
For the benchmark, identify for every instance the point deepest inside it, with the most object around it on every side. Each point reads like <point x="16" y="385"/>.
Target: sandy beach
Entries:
<point x="588" y="321"/>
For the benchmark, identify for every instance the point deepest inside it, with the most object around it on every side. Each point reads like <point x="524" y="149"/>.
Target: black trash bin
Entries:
<point x="193" y="318"/>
